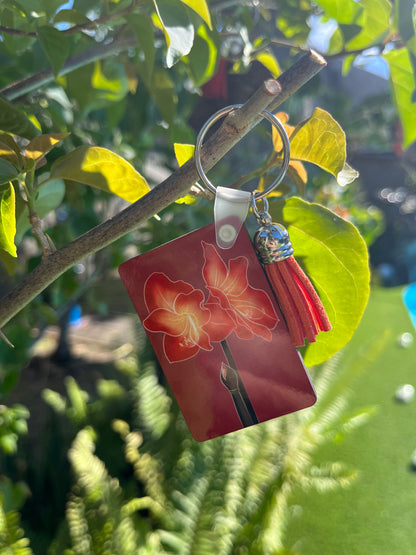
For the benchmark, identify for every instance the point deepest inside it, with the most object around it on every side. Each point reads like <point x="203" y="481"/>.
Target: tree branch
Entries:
<point x="234" y="128"/>
<point x="45" y="76"/>
<point x="80" y="27"/>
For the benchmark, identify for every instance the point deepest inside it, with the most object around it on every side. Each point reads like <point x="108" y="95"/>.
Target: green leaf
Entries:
<point x="183" y="153"/>
<point x="321" y="141"/>
<point x="41" y="145"/>
<point x="403" y="19"/>
<point x="55" y="47"/>
<point x="142" y="27"/>
<point x="334" y="256"/>
<point x="70" y="16"/>
<point x="162" y="90"/>
<point x="374" y="22"/>
<point x="343" y="11"/>
<point x="203" y="58"/>
<point x="8" y="171"/>
<point x="403" y="84"/>
<point x="14" y="121"/>
<point x="178" y="29"/>
<point x="48" y="197"/>
<point x="103" y="169"/>
<point x="98" y="84"/>
<point x="201" y="8"/>
<point x="8" y="220"/>
<point x="10" y="151"/>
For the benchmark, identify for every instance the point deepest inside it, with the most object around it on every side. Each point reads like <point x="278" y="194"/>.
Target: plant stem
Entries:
<point x="234" y="128"/>
<point x="45" y="241"/>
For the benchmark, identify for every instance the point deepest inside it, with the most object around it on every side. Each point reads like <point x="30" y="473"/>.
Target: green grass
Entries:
<point x="377" y="514"/>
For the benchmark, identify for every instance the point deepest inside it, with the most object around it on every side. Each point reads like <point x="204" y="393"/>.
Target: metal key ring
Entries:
<point x="276" y="124"/>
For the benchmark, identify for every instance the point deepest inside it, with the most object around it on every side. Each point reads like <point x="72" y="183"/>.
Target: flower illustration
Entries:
<point x="176" y="309"/>
<point x="250" y="309"/>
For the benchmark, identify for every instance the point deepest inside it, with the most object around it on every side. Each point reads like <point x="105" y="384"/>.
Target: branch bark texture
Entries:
<point x="235" y="127"/>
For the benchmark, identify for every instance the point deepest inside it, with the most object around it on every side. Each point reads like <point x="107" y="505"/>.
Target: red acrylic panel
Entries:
<point x="217" y="332"/>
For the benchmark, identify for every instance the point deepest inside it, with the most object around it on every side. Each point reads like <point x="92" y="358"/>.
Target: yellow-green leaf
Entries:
<point x="201" y="8"/>
<point x="334" y="256"/>
<point x="403" y="84"/>
<point x="183" y="153"/>
<point x="269" y="61"/>
<point x="343" y="11"/>
<point x="103" y="169"/>
<point x="8" y="220"/>
<point x="374" y="21"/>
<point x="41" y="145"/>
<point x="321" y="141"/>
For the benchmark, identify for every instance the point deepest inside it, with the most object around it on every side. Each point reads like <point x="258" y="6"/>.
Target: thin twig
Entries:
<point x="9" y="343"/>
<point x="234" y="128"/>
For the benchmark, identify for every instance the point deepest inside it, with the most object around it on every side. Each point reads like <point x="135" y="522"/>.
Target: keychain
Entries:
<point x="224" y="330"/>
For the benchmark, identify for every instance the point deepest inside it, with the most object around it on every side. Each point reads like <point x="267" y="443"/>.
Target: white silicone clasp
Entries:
<point x="230" y="210"/>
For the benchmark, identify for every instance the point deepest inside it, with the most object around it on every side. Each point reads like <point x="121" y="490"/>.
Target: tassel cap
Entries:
<point x="272" y="243"/>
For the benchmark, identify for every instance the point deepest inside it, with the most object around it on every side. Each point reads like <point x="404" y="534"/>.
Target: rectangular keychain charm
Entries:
<point x="217" y="332"/>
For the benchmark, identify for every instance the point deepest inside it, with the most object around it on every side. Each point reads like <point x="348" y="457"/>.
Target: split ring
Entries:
<point x="276" y="124"/>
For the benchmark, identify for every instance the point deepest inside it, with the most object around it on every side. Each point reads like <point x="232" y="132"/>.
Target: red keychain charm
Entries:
<point x="215" y="322"/>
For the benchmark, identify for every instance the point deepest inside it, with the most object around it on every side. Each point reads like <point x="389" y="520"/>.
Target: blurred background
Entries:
<point x="94" y="454"/>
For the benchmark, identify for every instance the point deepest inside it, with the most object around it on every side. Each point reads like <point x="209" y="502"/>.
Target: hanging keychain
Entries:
<point x="215" y="320"/>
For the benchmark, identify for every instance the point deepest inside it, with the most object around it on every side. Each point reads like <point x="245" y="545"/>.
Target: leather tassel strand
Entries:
<point x="300" y="304"/>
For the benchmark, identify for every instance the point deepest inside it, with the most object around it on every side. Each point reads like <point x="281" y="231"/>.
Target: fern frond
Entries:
<point x="99" y="519"/>
<point x="328" y="477"/>
<point x="152" y="402"/>
<point x="146" y="468"/>
<point x="12" y="540"/>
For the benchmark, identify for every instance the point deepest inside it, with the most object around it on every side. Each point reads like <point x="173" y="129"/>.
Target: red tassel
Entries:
<point x="300" y="304"/>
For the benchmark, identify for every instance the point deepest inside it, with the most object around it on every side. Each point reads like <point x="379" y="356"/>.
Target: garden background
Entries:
<point x="94" y="454"/>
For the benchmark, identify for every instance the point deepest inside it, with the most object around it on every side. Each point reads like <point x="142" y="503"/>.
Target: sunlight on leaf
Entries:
<point x="103" y="169"/>
<point x="374" y="21"/>
<point x="201" y="8"/>
<point x="321" y="141"/>
<point x="183" y="153"/>
<point x="343" y="11"/>
<point x="178" y="29"/>
<point x="8" y="220"/>
<point x="269" y="61"/>
<point x="335" y="258"/>
<point x="41" y="145"/>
